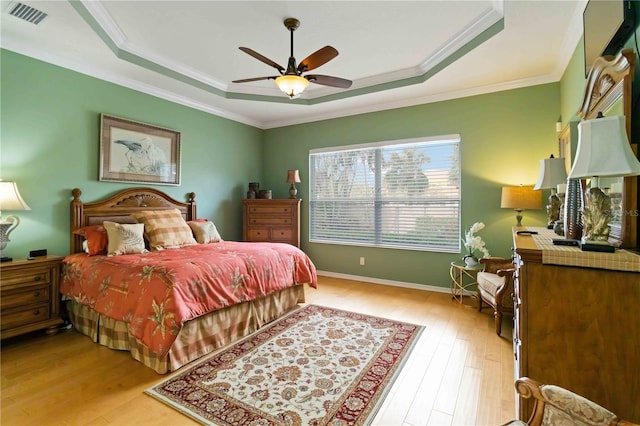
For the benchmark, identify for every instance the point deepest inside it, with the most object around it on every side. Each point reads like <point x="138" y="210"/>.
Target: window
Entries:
<point x="401" y="194"/>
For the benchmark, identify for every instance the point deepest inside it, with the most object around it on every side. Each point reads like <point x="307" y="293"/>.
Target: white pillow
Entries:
<point x="125" y="238"/>
<point x="205" y="232"/>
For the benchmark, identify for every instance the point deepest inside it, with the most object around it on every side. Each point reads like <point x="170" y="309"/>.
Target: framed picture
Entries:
<point x="564" y="146"/>
<point x="137" y="152"/>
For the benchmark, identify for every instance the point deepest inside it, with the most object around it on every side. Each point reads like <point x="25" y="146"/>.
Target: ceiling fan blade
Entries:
<point x="317" y="58"/>
<point x="326" y="80"/>
<point x="246" y="80"/>
<point x="262" y="58"/>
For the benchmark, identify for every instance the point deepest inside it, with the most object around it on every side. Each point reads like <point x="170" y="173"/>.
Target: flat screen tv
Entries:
<point x="607" y="25"/>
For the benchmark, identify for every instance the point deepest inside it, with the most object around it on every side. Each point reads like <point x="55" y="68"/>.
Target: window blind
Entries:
<point x="400" y="194"/>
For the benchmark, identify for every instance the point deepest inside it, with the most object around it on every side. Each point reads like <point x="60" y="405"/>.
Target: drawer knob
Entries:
<point x="36" y="294"/>
<point x="36" y="312"/>
<point x="38" y="278"/>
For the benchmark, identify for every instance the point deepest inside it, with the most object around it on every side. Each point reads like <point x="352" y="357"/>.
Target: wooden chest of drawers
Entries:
<point x="577" y="327"/>
<point x="275" y="221"/>
<point x="29" y="295"/>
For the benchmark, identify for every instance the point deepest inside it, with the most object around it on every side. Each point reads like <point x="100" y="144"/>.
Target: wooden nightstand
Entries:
<point x="29" y="295"/>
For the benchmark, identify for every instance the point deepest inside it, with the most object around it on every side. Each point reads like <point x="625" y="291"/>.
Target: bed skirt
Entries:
<point x="197" y="337"/>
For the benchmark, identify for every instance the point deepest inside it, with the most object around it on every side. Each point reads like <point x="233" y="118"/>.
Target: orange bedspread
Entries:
<point x="156" y="292"/>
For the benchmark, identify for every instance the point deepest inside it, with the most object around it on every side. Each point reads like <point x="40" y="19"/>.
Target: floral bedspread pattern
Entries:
<point x="316" y="366"/>
<point x="156" y="292"/>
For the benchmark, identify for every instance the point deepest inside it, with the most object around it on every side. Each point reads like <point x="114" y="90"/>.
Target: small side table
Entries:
<point x="460" y="272"/>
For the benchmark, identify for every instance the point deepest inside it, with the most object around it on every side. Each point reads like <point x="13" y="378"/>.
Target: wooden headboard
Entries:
<point x="118" y="208"/>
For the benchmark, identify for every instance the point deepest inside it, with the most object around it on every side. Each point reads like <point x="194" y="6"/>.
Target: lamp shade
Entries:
<point x="10" y="198"/>
<point x="552" y="173"/>
<point x="292" y="85"/>
<point x="293" y="176"/>
<point x="604" y="150"/>
<point x="520" y="198"/>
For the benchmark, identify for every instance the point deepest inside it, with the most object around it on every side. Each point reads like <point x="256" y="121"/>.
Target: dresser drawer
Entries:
<point x="270" y="221"/>
<point x="258" y="234"/>
<point x="24" y="277"/>
<point x="24" y="296"/>
<point x="271" y="210"/>
<point x="21" y="317"/>
<point x="281" y="234"/>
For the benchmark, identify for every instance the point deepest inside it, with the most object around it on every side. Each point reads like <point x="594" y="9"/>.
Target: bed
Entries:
<point x="169" y="307"/>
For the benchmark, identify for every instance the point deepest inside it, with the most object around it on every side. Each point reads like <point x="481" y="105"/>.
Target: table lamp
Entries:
<point x="603" y="150"/>
<point x="552" y="173"/>
<point x="10" y="199"/>
<point x="293" y="177"/>
<point x="520" y="198"/>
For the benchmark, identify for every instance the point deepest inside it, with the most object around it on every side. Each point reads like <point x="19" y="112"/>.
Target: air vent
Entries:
<point x="27" y="13"/>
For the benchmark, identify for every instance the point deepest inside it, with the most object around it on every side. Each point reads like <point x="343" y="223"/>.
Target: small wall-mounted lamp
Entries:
<point x="293" y="177"/>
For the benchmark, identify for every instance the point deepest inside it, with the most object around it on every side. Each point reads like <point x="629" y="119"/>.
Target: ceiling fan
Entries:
<point x="291" y="81"/>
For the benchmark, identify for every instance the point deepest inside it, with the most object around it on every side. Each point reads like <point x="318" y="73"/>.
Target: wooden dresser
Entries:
<point x="577" y="322"/>
<point x="29" y="295"/>
<point x="276" y="221"/>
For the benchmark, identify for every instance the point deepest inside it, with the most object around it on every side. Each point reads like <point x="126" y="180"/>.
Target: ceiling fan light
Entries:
<point x="292" y="85"/>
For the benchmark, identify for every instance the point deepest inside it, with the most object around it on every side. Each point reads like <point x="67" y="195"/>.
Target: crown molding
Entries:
<point x="478" y="31"/>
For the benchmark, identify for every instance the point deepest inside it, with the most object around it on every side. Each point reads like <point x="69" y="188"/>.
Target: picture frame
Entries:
<point x="135" y="152"/>
<point x="564" y="146"/>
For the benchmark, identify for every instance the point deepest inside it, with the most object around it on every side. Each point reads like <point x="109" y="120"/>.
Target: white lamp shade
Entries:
<point x="10" y="198"/>
<point x="292" y="85"/>
<point x="604" y="150"/>
<point x="552" y="173"/>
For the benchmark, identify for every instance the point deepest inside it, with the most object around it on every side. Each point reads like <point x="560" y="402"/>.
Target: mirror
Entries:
<point x="612" y="186"/>
<point x="608" y="90"/>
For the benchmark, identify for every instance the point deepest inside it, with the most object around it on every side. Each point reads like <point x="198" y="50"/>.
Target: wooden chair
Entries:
<point x="558" y="406"/>
<point x="495" y="287"/>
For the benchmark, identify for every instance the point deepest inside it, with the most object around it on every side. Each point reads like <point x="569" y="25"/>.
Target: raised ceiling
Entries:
<point x="397" y="53"/>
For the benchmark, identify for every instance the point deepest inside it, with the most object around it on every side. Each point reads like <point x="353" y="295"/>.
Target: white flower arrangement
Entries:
<point x="474" y="243"/>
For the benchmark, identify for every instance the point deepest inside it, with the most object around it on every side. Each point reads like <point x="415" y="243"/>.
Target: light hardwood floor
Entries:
<point x="459" y="373"/>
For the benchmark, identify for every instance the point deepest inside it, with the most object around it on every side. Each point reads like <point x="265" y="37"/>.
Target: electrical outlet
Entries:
<point x="362" y="261"/>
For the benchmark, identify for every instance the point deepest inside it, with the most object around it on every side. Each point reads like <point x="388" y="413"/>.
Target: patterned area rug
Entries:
<point x="315" y="366"/>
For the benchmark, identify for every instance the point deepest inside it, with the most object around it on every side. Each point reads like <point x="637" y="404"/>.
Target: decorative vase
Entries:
<point x="573" y="221"/>
<point x="470" y="260"/>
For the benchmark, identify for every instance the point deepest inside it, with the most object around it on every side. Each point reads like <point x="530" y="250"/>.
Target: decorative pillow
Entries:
<point x="165" y="229"/>
<point x="125" y="238"/>
<point x="204" y="231"/>
<point x="95" y="237"/>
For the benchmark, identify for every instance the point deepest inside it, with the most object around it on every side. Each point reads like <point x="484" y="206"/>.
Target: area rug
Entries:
<point x="315" y="366"/>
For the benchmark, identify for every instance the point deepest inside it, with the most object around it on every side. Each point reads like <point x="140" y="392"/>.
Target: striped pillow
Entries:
<point x="165" y="229"/>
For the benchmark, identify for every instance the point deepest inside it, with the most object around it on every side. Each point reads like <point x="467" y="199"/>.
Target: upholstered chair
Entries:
<point x="558" y="406"/>
<point x="495" y="287"/>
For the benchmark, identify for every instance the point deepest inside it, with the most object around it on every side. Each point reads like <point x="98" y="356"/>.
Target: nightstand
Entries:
<point x="29" y="295"/>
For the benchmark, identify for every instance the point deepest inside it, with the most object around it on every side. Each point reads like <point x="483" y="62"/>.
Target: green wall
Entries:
<point x="50" y="131"/>
<point x="504" y="135"/>
<point x="572" y="87"/>
<point x="50" y="144"/>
